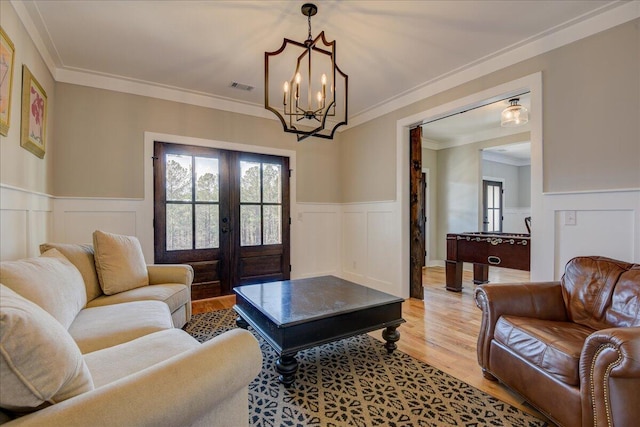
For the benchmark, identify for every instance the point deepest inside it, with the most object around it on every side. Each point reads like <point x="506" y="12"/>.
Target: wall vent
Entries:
<point x="241" y="86"/>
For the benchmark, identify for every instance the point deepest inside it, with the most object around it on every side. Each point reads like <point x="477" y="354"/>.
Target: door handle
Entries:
<point x="225" y="225"/>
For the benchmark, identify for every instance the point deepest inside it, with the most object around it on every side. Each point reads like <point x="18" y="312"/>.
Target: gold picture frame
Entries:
<point x="34" y="114"/>
<point x="7" y="56"/>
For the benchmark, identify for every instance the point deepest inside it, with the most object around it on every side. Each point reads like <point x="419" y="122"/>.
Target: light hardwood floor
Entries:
<point x="442" y="330"/>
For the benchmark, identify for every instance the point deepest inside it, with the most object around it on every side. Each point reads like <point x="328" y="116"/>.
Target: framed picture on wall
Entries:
<point x="7" y="55"/>
<point x="34" y="114"/>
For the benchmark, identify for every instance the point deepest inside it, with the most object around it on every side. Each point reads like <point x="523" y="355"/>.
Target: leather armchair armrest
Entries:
<point x="541" y="300"/>
<point x="181" y="391"/>
<point x="610" y="377"/>
<point x="170" y="273"/>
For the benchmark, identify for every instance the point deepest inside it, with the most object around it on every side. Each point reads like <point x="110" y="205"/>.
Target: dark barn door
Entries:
<point x="417" y="215"/>
<point x="223" y="212"/>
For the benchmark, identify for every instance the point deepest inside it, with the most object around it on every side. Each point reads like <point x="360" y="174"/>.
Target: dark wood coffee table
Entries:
<point x="294" y="315"/>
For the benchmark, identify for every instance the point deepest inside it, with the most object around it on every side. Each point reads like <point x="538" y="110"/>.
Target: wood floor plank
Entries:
<point x="441" y="330"/>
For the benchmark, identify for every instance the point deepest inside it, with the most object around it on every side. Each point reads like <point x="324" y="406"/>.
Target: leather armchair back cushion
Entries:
<point x="590" y="295"/>
<point x="624" y="310"/>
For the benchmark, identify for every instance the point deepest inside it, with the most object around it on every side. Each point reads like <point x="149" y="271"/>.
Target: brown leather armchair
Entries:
<point x="571" y="348"/>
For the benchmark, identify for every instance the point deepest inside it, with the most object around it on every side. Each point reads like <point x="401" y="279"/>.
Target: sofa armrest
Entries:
<point x="180" y="391"/>
<point x="610" y="377"/>
<point x="542" y="300"/>
<point x="170" y="273"/>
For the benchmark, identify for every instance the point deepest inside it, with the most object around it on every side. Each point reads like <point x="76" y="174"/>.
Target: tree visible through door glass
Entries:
<point x="186" y="200"/>
<point x="260" y="203"/>
<point x="179" y="215"/>
<point x="207" y="214"/>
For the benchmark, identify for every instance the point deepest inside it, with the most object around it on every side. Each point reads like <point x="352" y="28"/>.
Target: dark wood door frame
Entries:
<point x="217" y="269"/>
<point x="416" y="215"/>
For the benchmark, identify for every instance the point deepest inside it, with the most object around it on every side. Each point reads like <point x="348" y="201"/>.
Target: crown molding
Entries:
<point x="168" y="93"/>
<point x="594" y="22"/>
<point x="30" y="26"/>
<point x="615" y="14"/>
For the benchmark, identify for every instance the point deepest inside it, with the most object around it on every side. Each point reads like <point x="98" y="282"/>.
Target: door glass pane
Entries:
<point x="490" y="225"/>
<point x="249" y="182"/>
<point x="490" y="196"/>
<point x="272" y="225"/>
<point x="178" y="179"/>
<point x="496" y="197"/>
<point x="207" y="179"/>
<point x="179" y="231"/>
<point x="207" y="229"/>
<point x="271" y="187"/>
<point x="250" y="225"/>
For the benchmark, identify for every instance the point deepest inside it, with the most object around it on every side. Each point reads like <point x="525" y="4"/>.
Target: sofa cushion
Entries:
<point x="39" y="361"/>
<point x="51" y="281"/>
<point x="111" y="364"/>
<point x="96" y="328"/>
<point x="82" y="257"/>
<point x="174" y="295"/>
<point x="119" y="262"/>
<point x="552" y="346"/>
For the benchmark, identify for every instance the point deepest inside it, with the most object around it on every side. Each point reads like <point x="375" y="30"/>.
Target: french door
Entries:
<point x="226" y="213"/>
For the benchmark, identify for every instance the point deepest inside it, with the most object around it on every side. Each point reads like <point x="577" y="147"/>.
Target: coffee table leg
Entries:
<point x="287" y="365"/>
<point x="390" y="335"/>
<point x="241" y="323"/>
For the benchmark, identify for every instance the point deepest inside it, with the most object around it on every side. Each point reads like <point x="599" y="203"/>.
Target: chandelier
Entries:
<point x="514" y="115"/>
<point x="311" y="92"/>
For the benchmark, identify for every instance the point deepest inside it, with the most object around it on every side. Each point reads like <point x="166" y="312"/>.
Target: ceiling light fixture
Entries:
<point x="312" y="96"/>
<point x="514" y="115"/>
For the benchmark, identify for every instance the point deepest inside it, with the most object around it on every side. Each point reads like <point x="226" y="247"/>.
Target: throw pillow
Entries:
<point x="119" y="262"/>
<point x="82" y="257"/>
<point x="40" y="363"/>
<point x="51" y="281"/>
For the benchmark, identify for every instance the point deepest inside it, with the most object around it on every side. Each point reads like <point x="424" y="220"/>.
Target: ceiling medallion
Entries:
<point x="311" y="92"/>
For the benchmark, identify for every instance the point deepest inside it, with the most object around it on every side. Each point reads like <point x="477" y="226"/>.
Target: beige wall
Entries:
<point x="99" y="150"/>
<point x="591" y="109"/>
<point x="19" y="167"/>
<point x="591" y="103"/>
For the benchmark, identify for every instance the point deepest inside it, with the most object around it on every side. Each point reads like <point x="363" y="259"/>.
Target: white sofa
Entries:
<point x="71" y="355"/>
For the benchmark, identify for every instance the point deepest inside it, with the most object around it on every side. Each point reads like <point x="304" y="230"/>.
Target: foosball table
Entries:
<point x="484" y="249"/>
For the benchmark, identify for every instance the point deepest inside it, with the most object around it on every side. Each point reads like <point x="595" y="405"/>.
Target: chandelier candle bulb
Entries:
<point x="324" y="86"/>
<point x="298" y="79"/>
<point x="286" y="91"/>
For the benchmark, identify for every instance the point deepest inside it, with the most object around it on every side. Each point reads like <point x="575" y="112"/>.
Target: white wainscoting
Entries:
<point x="75" y="220"/>
<point x="25" y="222"/>
<point x="606" y="224"/>
<point x="370" y="253"/>
<point x="315" y="246"/>
<point x="359" y="242"/>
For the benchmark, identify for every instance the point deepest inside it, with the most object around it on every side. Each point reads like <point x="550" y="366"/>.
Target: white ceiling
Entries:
<point x="388" y="48"/>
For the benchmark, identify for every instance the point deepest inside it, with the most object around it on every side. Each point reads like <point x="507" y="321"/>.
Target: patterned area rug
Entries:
<point x="354" y="382"/>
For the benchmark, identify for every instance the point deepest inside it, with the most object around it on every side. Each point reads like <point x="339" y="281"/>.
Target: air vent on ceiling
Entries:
<point x="241" y="86"/>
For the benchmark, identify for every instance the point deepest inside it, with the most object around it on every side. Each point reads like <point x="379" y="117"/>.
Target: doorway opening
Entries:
<point x="531" y="84"/>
